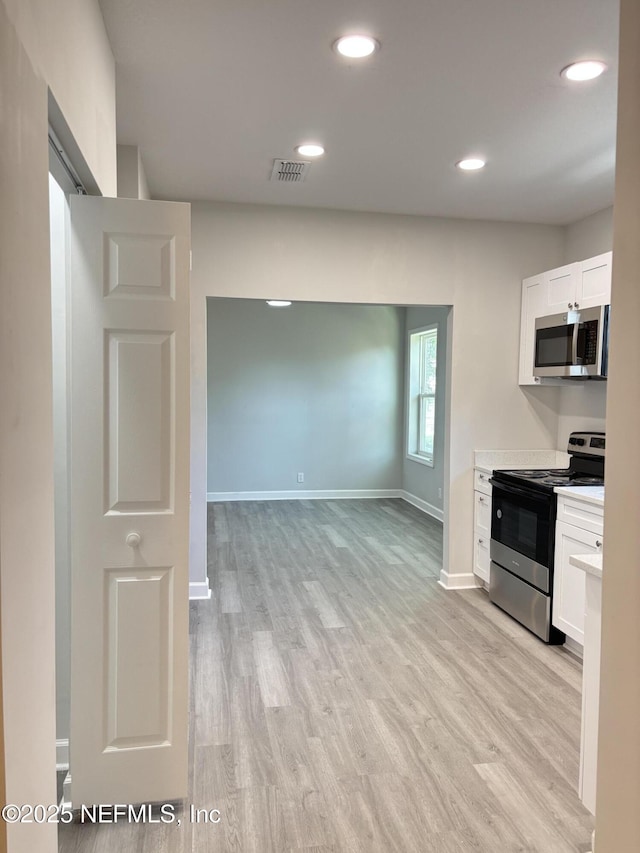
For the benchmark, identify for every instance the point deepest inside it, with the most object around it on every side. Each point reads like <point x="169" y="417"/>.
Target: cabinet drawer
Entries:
<point x="481" y="481"/>
<point x="482" y="515"/>
<point x="481" y="557"/>
<point x="582" y="514"/>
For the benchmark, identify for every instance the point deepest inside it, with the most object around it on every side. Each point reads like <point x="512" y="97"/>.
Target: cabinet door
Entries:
<point x="534" y="301"/>
<point x="481" y="558"/>
<point x="568" y="581"/>
<point x="594" y="282"/>
<point x="482" y="515"/>
<point x="561" y="288"/>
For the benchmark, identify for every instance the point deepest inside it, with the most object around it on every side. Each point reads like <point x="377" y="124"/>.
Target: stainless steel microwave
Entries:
<point x="573" y="345"/>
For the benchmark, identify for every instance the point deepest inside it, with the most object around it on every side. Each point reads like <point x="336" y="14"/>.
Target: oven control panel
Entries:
<point x="591" y="443"/>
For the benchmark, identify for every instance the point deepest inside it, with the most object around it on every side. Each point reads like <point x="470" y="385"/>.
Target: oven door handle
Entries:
<point x="514" y="490"/>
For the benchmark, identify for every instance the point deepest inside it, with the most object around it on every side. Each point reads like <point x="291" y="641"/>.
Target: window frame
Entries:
<point x="418" y="395"/>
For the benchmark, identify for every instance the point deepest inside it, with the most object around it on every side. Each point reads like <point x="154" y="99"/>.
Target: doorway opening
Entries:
<point x="60" y="186"/>
<point x="318" y="401"/>
<point x="317" y="398"/>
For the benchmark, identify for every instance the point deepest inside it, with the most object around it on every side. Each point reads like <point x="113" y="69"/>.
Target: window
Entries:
<point x="423" y="359"/>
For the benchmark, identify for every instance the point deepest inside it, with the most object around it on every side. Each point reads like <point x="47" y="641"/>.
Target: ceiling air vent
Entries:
<point x="290" y="171"/>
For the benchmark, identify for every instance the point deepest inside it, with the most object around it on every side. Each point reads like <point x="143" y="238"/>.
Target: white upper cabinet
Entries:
<point x="584" y="284"/>
<point x="561" y="288"/>
<point x="534" y="300"/>
<point x="594" y="283"/>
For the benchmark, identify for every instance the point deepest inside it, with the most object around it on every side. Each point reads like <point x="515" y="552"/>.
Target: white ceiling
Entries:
<point x="213" y="90"/>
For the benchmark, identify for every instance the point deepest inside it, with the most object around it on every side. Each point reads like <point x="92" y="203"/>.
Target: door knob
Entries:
<point x="575" y="305"/>
<point x="133" y="539"/>
<point x="571" y="305"/>
<point x="598" y="543"/>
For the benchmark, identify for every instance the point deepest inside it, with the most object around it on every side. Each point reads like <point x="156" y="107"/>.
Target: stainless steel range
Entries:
<point x="523" y="523"/>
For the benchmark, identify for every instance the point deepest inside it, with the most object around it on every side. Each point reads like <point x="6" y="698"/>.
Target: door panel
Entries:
<point x="140" y="421"/>
<point x="137" y="699"/>
<point x="129" y="499"/>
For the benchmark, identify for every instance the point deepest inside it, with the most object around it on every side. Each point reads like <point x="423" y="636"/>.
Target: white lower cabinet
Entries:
<point x="481" y="558"/>
<point x="569" y="581"/>
<point x="481" y="525"/>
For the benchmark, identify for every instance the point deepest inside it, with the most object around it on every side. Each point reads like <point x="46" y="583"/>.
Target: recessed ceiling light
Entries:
<point x="471" y="164"/>
<point x="589" y="69"/>
<point x="356" y="46"/>
<point x="278" y="303"/>
<point x="310" y="149"/>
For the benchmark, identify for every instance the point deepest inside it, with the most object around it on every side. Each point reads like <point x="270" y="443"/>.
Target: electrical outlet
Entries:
<point x="300" y="477"/>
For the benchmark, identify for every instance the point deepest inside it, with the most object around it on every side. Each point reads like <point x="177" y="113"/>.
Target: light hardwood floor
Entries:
<point x="343" y="701"/>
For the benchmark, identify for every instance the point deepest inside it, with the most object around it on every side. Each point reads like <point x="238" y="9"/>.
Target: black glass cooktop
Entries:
<point x="547" y="479"/>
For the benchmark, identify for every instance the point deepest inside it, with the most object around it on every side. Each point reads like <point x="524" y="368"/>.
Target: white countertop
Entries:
<point x="589" y="494"/>
<point x="491" y="460"/>
<point x="589" y="563"/>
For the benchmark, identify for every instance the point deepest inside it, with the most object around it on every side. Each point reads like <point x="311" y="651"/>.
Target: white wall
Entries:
<point x="313" y="388"/>
<point x="67" y="47"/>
<point x="582" y="406"/>
<point x="590" y="236"/>
<point x="423" y="481"/>
<point x="63" y="44"/>
<point x="618" y="794"/>
<point x="318" y="255"/>
<point x="132" y="180"/>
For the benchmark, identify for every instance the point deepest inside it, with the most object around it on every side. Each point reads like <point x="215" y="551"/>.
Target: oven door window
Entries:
<point x="522" y="523"/>
<point x="554" y="346"/>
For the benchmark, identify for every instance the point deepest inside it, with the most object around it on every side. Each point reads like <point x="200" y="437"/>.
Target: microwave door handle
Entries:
<point x="574" y="343"/>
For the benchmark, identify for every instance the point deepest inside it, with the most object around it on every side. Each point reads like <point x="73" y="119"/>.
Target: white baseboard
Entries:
<point x="62" y="754"/>
<point x="574" y="647"/>
<point x="66" y="792"/>
<point x="423" y="505"/>
<point x="199" y="590"/>
<point x="294" y="495"/>
<point x="466" y="581"/>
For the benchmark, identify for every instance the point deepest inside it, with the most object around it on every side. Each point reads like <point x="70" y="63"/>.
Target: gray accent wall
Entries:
<point x="423" y="481"/>
<point x="313" y="388"/>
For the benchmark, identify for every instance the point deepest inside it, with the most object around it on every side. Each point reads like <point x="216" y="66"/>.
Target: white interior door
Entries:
<point x="129" y="499"/>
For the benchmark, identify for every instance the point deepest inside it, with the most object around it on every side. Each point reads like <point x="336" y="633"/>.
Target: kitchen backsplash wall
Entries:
<point x="583" y="405"/>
